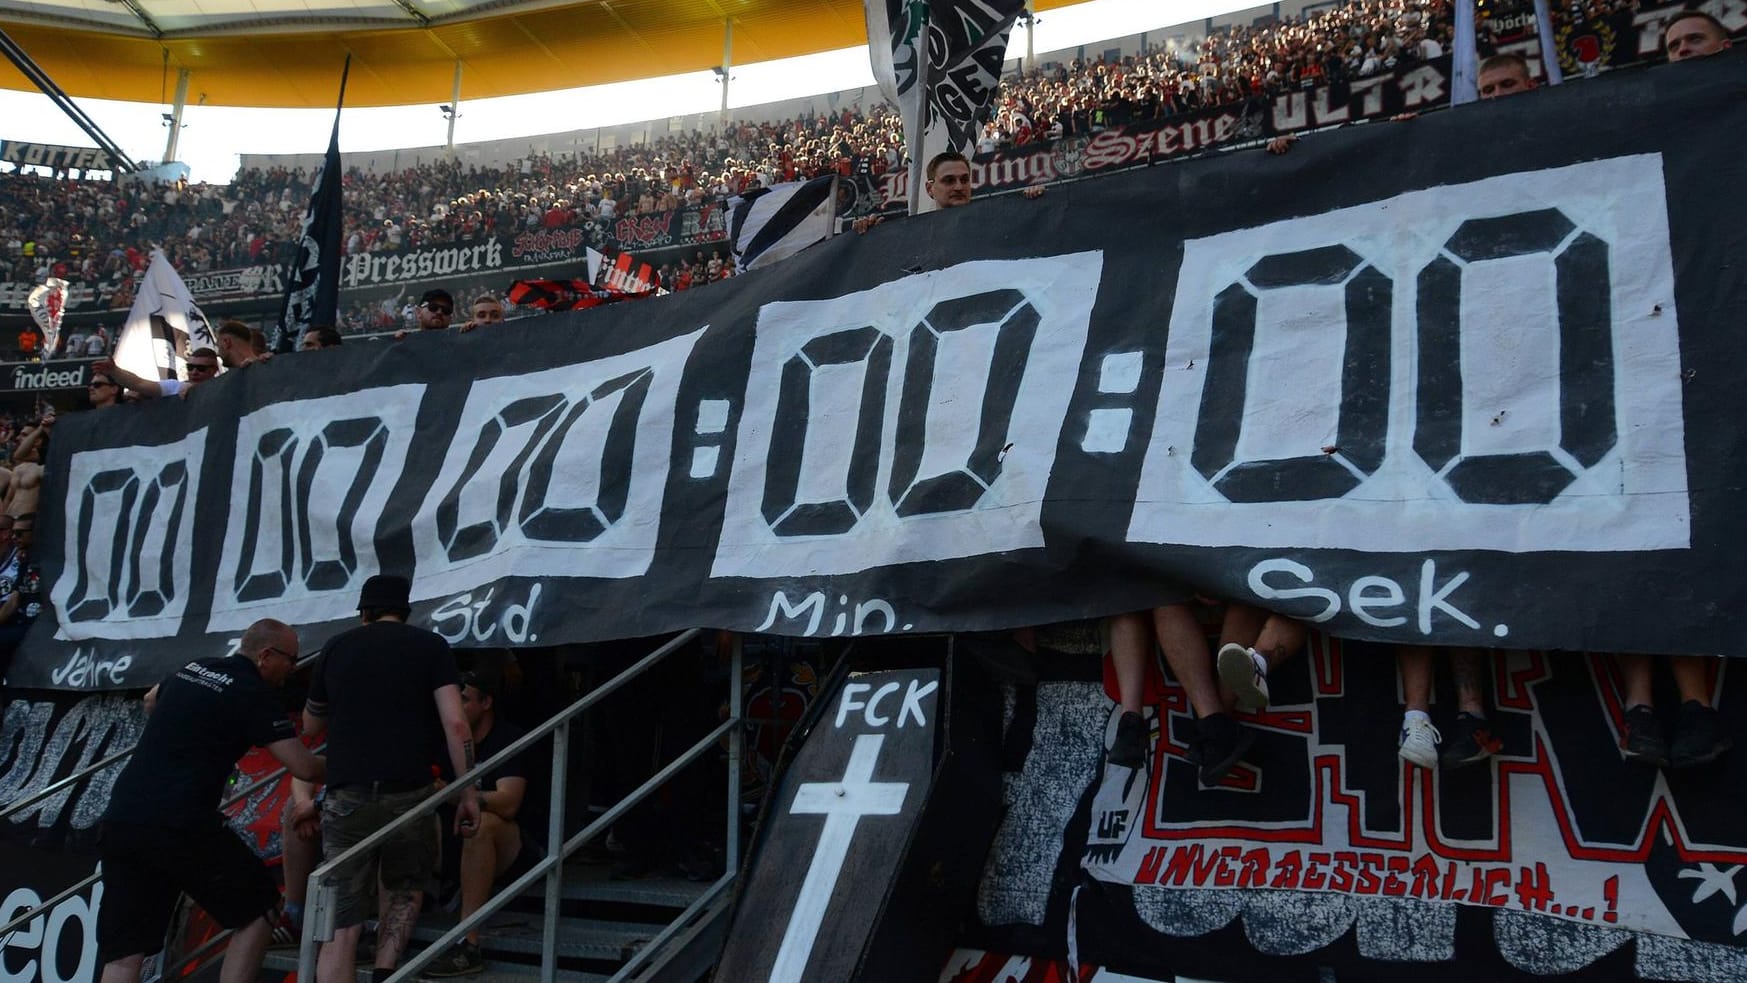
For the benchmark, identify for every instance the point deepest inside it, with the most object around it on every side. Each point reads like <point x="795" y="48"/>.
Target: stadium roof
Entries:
<point x="287" y="53"/>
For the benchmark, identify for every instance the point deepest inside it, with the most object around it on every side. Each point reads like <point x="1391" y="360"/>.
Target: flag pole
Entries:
<point x="312" y="275"/>
<point x="1465" y="57"/>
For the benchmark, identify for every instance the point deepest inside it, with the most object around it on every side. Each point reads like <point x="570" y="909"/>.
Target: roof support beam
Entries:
<point x="406" y="5"/>
<point x="39" y="78"/>
<point x="140" y="13"/>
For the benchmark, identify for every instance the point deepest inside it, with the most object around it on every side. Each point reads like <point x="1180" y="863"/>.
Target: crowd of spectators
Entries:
<point x="98" y="233"/>
<point x="1230" y="67"/>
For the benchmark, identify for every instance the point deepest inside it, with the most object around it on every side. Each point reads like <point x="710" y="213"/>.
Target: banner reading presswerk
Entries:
<point x="1394" y="384"/>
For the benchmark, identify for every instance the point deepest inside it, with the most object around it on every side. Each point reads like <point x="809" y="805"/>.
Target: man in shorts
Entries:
<point x="389" y="699"/>
<point x="162" y="832"/>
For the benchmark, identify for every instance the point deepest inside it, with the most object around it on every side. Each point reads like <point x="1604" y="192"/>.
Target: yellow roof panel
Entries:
<point x="287" y="53"/>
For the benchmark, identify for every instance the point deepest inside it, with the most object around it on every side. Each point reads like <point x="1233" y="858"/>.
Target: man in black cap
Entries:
<point x="162" y="832"/>
<point x="388" y="697"/>
<point x="436" y="308"/>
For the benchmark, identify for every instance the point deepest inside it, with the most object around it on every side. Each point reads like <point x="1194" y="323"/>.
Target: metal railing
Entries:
<point x="86" y="772"/>
<point x="97" y="875"/>
<point x="323" y="895"/>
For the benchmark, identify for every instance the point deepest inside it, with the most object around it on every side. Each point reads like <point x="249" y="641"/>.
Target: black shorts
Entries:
<point x="146" y="867"/>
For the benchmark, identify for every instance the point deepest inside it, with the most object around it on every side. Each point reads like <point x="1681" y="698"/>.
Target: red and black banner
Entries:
<point x="566" y="295"/>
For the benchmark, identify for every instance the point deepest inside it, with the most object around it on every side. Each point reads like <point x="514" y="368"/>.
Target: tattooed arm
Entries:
<point x="460" y="739"/>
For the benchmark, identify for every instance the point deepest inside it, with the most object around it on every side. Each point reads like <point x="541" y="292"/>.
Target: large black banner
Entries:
<point x="1467" y="380"/>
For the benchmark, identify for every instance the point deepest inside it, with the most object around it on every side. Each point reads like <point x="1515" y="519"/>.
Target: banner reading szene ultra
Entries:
<point x="1474" y="379"/>
<point x="1409" y="87"/>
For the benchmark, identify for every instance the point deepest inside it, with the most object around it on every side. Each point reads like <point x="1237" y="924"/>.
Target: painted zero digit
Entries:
<point x="551" y="523"/>
<point x="1016" y="323"/>
<point x="277" y="447"/>
<point x="479" y="538"/>
<point x="136" y="515"/>
<point x="1586" y="360"/>
<point x="1364" y="386"/>
<point x="785" y="515"/>
<point x="368" y="433"/>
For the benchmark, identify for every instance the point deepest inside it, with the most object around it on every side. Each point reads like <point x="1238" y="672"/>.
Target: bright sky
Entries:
<point x="213" y="136"/>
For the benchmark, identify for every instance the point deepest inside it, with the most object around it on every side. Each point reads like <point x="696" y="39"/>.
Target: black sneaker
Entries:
<point x="1698" y="736"/>
<point x="1223" y="743"/>
<point x="1128" y="750"/>
<point x="1472" y="744"/>
<point x="464" y="959"/>
<point x="1643" y="744"/>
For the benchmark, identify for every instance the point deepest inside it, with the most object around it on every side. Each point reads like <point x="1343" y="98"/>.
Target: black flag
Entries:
<point x="939" y="62"/>
<point x="312" y="279"/>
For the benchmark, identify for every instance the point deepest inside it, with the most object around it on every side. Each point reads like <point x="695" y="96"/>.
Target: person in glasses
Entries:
<point x="162" y="832"/>
<point x="103" y="390"/>
<point x="435" y="309"/>
<point x="202" y="365"/>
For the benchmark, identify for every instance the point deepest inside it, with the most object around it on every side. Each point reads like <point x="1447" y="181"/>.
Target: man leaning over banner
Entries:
<point x="1698" y="733"/>
<point x="436" y="307"/>
<point x="162" y="832"/>
<point x="320" y="336"/>
<point x="202" y="365"/>
<point x="949" y="185"/>
<point x="236" y="345"/>
<point x="487" y="311"/>
<point x="1695" y="34"/>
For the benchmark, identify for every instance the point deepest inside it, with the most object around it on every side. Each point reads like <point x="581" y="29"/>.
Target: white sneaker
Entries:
<point x="1246" y="673"/>
<point x="1419" y="741"/>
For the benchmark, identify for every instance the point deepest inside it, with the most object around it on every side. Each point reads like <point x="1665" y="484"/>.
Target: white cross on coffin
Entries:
<point x="842" y="804"/>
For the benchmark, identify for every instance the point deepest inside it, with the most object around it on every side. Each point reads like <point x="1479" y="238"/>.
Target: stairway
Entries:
<point x="603" y="923"/>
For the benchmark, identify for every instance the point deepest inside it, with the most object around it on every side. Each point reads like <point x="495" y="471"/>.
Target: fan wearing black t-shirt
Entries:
<point x="500" y="847"/>
<point x="388" y="698"/>
<point x="162" y="832"/>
